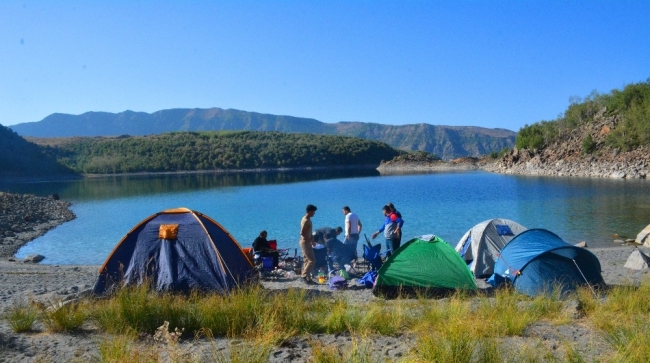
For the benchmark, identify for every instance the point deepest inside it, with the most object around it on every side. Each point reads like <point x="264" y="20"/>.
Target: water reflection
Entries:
<point x="117" y="186"/>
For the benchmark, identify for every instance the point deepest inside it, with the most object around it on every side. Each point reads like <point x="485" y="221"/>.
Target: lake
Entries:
<point x="446" y="204"/>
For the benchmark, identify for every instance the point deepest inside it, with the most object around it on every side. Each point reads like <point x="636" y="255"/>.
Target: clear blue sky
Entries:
<point x="468" y="63"/>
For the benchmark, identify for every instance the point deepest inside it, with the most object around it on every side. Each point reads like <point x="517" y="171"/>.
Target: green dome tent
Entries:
<point x="426" y="265"/>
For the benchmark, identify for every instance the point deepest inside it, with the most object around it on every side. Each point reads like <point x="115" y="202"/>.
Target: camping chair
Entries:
<point x="372" y="255"/>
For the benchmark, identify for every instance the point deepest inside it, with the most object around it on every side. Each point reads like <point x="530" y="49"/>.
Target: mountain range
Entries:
<point x="448" y="142"/>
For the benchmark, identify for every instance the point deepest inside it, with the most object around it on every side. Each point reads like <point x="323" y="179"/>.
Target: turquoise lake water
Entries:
<point x="445" y="204"/>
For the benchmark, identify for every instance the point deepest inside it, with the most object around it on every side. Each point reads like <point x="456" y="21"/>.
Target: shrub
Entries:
<point x="588" y="144"/>
<point x="21" y="317"/>
<point x="63" y="316"/>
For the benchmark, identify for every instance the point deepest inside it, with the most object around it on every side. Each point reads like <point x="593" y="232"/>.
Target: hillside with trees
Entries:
<point x="601" y="135"/>
<point x="448" y="142"/>
<point x="20" y="158"/>
<point x="195" y="151"/>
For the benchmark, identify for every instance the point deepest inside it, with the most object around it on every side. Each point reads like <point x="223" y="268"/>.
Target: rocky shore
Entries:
<point x="423" y="162"/>
<point x="611" y="164"/>
<point x="618" y="165"/>
<point x="26" y="217"/>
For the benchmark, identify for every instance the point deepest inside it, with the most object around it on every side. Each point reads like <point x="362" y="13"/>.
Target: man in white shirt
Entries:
<point x="352" y="228"/>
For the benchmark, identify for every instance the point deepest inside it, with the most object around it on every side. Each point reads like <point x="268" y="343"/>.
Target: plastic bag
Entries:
<point x="338" y="283"/>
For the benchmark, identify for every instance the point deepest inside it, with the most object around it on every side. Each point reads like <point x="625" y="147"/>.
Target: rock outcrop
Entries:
<point x="25" y="217"/>
<point x="565" y="156"/>
<point x="423" y="162"/>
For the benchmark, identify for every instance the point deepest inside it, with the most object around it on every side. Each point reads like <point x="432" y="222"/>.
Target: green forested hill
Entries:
<point x="20" y="158"/>
<point x="189" y="151"/>
<point x="448" y="142"/>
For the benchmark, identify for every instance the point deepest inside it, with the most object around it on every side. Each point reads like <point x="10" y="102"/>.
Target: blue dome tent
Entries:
<point x="176" y="250"/>
<point x="538" y="261"/>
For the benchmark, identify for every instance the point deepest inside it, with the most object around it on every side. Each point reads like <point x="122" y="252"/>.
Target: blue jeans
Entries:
<point x="352" y="239"/>
<point x="392" y="244"/>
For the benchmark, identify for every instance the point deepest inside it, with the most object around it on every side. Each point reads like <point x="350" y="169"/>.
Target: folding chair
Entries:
<point x="372" y="255"/>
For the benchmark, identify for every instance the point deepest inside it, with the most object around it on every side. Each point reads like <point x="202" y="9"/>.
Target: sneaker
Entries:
<point x="308" y="281"/>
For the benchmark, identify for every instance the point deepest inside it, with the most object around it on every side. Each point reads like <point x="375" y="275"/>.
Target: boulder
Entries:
<point x="34" y="258"/>
<point x="642" y="237"/>
<point x="637" y="261"/>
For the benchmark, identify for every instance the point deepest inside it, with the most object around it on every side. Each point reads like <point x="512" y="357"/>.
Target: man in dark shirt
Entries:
<point x="261" y="246"/>
<point x="319" y="234"/>
<point x="336" y="251"/>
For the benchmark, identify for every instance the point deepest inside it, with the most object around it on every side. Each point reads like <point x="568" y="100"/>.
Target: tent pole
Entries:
<point x="583" y="276"/>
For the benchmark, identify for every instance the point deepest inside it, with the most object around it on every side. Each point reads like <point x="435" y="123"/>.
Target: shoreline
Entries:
<point x="26" y="217"/>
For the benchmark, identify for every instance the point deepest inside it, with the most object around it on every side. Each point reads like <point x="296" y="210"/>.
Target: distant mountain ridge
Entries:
<point x="448" y="142"/>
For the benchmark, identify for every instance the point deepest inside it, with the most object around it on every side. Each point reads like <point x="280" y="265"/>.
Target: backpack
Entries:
<point x="338" y="283"/>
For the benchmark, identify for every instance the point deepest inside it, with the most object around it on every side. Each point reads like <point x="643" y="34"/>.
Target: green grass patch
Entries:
<point x="21" y="317"/>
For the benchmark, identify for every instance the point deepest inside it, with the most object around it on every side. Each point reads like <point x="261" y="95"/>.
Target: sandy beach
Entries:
<point x="23" y="281"/>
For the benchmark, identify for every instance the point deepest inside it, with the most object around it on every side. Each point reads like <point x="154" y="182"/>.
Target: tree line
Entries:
<point x="193" y="151"/>
<point x="631" y="106"/>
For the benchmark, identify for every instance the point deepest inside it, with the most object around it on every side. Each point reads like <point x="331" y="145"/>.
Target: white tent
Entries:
<point x="481" y="245"/>
<point x="642" y="237"/>
<point x="637" y="260"/>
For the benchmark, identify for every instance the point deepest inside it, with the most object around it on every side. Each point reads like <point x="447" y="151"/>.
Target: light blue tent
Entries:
<point x="538" y="261"/>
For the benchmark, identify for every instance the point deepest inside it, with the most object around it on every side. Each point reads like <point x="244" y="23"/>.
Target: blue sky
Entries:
<point x="496" y="64"/>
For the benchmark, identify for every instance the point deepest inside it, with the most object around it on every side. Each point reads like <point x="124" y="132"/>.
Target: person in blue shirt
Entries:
<point x="399" y="215"/>
<point x="391" y="229"/>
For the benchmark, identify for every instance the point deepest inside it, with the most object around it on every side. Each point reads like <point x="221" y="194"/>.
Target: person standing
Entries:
<point x="307" y="244"/>
<point x="352" y="228"/>
<point x="391" y="229"/>
<point x="399" y="215"/>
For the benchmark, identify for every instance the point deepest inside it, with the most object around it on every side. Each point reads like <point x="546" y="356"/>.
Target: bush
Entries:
<point x="536" y="136"/>
<point x="21" y="317"/>
<point x="63" y="317"/>
<point x="588" y="144"/>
